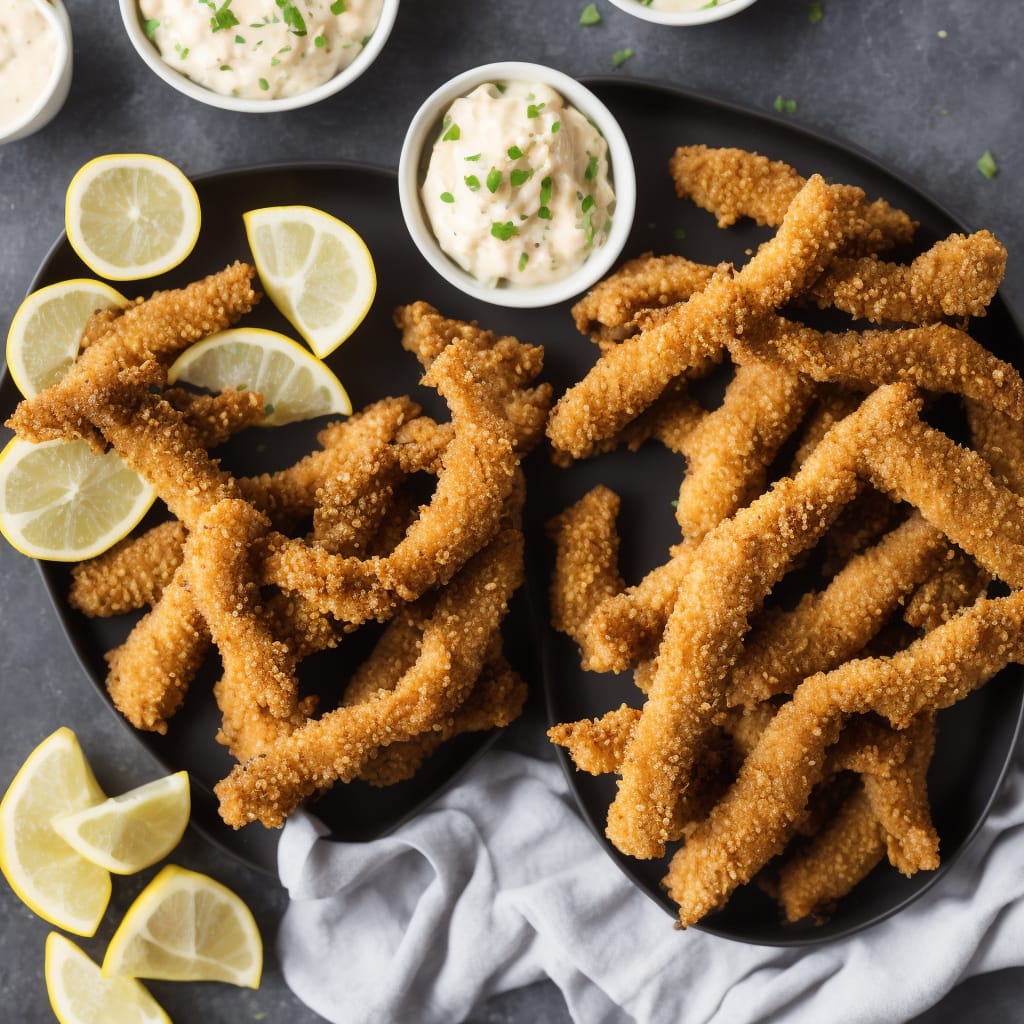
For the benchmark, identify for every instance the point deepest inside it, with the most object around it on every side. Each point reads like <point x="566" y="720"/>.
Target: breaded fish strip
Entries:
<point x="729" y="451"/>
<point x="215" y="418"/>
<point x="956" y="277"/>
<point x="956" y="583"/>
<point x="132" y="574"/>
<point x="258" y="691"/>
<point x="646" y="282"/>
<point x="338" y="745"/>
<point x="629" y="377"/>
<point x="512" y="366"/>
<point x="937" y="358"/>
<point x="815" y="878"/>
<point x="154" y="330"/>
<point x="1000" y="439"/>
<point x="749" y="825"/>
<point x="586" y="562"/>
<point x="829" y="627"/>
<point x="732" y="183"/>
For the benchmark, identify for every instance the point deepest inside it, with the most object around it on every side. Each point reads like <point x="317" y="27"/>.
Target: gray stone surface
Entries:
<point x="877" y="73"/>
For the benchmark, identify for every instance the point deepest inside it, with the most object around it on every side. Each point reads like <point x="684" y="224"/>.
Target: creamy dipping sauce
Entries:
<point x="518" y="189"/>
<point x="260" y="49"/>
<point x="681" y="5"/>
<point x="28" y="46"/>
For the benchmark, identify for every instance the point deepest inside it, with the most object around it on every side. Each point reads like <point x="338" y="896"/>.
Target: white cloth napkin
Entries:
<point x="499" y="883"/>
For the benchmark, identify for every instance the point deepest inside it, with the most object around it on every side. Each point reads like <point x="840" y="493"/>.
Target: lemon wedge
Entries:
<point x="61" y="501"/>
<point x="43" y="340"/>
<point x="184" y="926"/>
<point x="130" y="832"/>
<point x="316" y="270"/>
<point x="79" y="994"/>
<point x="50" y="877"/>
<point x="131" y="216"/>
<point x="295" y="385"/>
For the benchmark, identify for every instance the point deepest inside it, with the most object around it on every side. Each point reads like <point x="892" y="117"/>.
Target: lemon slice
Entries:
<point x="43" y="340"/>
<point x="295" y="385"/>
<point x="131" y="215"/>
<point x="79" y="994"/>
<point x="130" y="832"/>
<point x="53" y="880"/>
<point x="316" y="270"/>
<point x="184" y="926"/>
<point x="61" y="501"/>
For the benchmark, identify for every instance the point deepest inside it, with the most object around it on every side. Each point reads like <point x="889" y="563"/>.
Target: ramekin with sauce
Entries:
<point x="35" y="65"/>
<point x="682" y="12"/>
<point x="517" y="184"/>
<point x="240" y="57"/>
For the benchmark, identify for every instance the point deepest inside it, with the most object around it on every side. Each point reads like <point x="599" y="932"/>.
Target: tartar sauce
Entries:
<point x="518" y="189"/>
<point x="27" y="53"/>
<point x="260" y="49"/>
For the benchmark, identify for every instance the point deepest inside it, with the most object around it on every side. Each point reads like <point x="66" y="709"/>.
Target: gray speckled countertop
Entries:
<point x="925" y="85"/>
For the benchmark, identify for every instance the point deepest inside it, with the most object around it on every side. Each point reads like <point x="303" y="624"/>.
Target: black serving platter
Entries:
<point x="976" y="738"/>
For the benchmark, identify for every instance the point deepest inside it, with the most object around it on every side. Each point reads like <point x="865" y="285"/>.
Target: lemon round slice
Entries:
<point x="61" y="501"/>
<point x="130" y="832"/>
<point x="184" y="926"/>
<point x="295" y="385"/>
<point x="316" y="270"/>
<point x="51" y="878"/>
<point x="79" y="994"/>
<point x="43" y="340"/>
<point x="131" y="216"/>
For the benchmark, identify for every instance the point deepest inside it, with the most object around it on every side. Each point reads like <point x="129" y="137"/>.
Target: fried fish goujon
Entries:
<point x="827" y="708"/>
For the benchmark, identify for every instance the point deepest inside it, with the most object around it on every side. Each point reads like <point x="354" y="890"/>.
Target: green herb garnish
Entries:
<point x="546" y="186"/>
<point x="518" y="177"/>
<point x="493" y="180"/>
<point x="292" y="17"/>
<point x="475" y="156"/>
<point x="223" y="18"/>
<point x="447" y="197"/>
<point x="338" y="7"/>
<point x="472" y="182"/>
<point x="264" y="84"/>
<point x="544" y="213"/>
<point x="504" y="231"/>
<point x="987" y="165"/>
<point x="534" y="109"/>
<point x="816" y="13"/>
<point x="590" y="15"/>
<point x="619" y="57"/>
<point x="524" y="258"/>
<point x="591" y="172"/>
<point x="556" y="127"/>
<point x="784" y="106"/>
<point x="320" y="42"/>
<point x="587" y="204"/>
<point x="240" y="40"/>
<point x="152" y="24"/>
<point x="514" y="152"/>
<point x="453" y="134"/>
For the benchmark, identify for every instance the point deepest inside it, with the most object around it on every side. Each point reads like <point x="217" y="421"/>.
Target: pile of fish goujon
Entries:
<point x="803" y="731"/>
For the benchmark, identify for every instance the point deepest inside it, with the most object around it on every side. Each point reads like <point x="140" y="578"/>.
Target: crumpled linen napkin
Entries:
<point x="499" y="883"/>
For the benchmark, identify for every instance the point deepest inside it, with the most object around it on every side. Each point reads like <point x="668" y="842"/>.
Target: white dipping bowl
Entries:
<point x="419" y="141"/>
<point x="55" y="92"/>
<point x="133" y="23"/>
<point x="724" y="9"/>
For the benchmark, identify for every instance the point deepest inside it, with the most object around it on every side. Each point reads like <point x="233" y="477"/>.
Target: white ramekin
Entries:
<point x="55" y="92"/>
<point x="133" y="24"/>
<point x="701" y="16"/>
<point x="421" y="136"/>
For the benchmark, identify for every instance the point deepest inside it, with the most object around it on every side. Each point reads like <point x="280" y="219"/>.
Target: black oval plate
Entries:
<point x="977" y="736"/>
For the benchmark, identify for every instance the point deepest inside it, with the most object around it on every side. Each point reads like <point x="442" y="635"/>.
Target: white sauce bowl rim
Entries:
<point x="702" y="16"/>
<point x="53" y="11"/>
<point x="132" y="18"/>
<point x="421" y="136"/>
